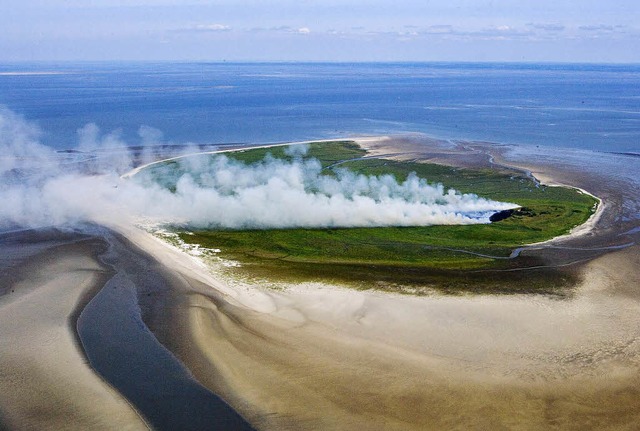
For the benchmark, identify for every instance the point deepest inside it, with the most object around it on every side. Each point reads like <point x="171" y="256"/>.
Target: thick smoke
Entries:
<point x="274" y="193"/>
<point x="41" y="187"/>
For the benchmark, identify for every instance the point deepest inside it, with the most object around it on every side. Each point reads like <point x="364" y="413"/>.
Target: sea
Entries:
<point x="580" y="106"/>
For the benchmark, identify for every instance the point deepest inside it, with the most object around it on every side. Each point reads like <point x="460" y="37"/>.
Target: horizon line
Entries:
<point x="222" y="61"/>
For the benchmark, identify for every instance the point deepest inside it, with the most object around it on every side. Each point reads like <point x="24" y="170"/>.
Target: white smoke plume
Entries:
<point x="208" y="191"/>
<point x="20" y="146"/>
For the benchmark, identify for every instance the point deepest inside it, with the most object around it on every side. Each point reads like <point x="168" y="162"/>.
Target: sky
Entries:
<point x="600" y="31"/>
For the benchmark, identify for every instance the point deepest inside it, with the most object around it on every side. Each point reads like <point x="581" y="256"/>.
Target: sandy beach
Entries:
<point x="316" y="356"/>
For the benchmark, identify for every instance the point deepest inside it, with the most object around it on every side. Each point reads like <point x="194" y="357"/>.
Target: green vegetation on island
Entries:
<point x="452" y="258"/>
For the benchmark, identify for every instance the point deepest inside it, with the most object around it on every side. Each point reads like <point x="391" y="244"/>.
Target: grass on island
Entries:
<point x="408" y="259"/>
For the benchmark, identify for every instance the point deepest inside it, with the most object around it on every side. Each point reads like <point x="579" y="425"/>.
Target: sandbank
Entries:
<point x="45" y="380"/>
<point x="316" y="356"/>
<point x="323" y="357"/>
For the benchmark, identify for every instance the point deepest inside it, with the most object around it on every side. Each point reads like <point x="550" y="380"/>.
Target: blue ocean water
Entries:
<point x="594" y="107"/>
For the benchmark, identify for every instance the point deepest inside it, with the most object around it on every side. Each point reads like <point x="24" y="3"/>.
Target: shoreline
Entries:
<point x="46" y="382"/>
<point x="605" y="230"/>
<point x="583" y="229"/>
<point x="579" y="230"/>
<point x="318" y="356"/>
<point x="75" y="351"/>
<point x="112" y="323"/>
<point x="137" y="169"/>
<point x="481" y="350"/>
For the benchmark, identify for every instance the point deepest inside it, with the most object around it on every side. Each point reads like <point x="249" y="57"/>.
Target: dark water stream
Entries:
<point x="125" y="353"/>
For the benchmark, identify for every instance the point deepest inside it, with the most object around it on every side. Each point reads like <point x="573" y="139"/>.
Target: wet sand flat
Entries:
<point x="316" y="356"/>
<point x="322" y="357"/>
<point x="332" y="359"/>
<point x="44" y="379"/>
<point x="74" y="352"/>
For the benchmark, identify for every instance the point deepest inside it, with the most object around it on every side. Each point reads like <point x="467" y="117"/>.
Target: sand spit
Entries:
<point x="323" y="357"/>
<point x="137" y="169"/>
<point x="121" y="348"/>
<point x="315" y="356"/>
<point x="329" y="359"/>
<point x="75" y="353"/>
<point x="44" y="379"/>
<point x="612" y="180"/>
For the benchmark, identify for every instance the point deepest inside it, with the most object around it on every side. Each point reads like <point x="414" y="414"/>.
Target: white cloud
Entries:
<point x="213" y="27"/>
<point x="598" y="27"/>
<point x="550" y="27"/>
<point x="208" y="27"/>
<point x="605" y="31"/>
<point x="603" y="28"/>
<point x="283" y="29"/>
<point x="439" y="29"/>
<point x="145" y="29"/>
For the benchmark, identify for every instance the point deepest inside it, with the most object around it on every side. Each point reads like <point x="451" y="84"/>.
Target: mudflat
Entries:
<point x="319" y="356"/>
<point x="46" y="382"/>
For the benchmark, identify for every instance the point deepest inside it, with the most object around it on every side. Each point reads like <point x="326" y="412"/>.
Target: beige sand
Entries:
<point x="323" y="357"/>
<point x="137" y="169"/>
<point x="45" y="381"/>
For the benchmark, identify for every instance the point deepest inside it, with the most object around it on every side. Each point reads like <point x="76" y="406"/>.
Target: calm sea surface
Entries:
<point x="592" y="107"/>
